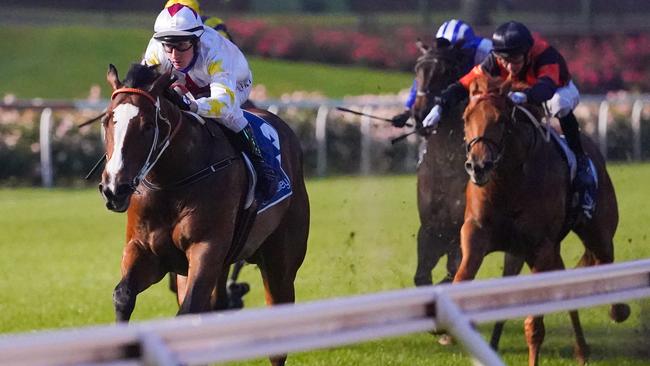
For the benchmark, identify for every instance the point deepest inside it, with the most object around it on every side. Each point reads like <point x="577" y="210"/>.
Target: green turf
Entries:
<point x="61" y="251"/>
<point x="64" y="61"/>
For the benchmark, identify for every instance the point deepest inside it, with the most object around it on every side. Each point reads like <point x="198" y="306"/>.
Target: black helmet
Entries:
<point x="512" y="38"/>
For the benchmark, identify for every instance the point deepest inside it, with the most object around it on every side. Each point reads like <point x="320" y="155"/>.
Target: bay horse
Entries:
<point x="518" y="200"/>
<point x="441" y="179"/>
<point x="185" y="188"/>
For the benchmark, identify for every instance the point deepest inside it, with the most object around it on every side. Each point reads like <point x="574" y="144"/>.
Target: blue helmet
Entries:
<point x="455" y="30"/>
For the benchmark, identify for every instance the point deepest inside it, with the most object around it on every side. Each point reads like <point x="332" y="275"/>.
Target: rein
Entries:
<point x="161" y="146"/>
<point x="543" y="128"/>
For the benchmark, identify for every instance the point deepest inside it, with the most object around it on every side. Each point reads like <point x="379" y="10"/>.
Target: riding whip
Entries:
<point x="368" y="115"/>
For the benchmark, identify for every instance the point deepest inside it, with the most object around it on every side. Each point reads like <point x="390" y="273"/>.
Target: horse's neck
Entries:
<point x="193" y="147"/>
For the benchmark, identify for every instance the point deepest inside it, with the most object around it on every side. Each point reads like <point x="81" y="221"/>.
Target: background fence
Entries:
<point x="334" y="142"/>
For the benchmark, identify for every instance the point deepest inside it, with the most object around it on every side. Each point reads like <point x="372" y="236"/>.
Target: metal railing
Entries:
<point x="230" y="336"/>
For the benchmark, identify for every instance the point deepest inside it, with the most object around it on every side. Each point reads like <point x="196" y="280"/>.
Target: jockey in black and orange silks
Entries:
<point x="521" y="57"/>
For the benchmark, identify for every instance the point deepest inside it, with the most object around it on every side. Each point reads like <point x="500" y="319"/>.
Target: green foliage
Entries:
<point x="64" y="61"/>
<point x="62" y="248"/>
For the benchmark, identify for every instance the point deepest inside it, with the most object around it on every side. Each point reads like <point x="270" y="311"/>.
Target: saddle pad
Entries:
<point x="269" y="142"/>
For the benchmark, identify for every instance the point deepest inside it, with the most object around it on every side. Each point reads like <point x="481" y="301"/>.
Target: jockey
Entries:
<point x="214" y="70"/>
<point x="213" y="22"/>
<point x="521" y="56"/>
<point x="456" y="32"/>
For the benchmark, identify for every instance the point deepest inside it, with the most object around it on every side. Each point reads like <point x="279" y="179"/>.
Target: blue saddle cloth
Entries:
<point x="269" y="142"/>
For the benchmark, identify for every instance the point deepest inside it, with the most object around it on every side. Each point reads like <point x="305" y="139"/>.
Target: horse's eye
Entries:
<point x="147" y="127"/>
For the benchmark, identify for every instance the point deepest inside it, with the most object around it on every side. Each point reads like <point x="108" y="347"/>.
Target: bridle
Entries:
<point x="492" y="145"/>
<point x="157" y="147"/>
<point x="433" y="57"/>
<point x="499" y="146"/>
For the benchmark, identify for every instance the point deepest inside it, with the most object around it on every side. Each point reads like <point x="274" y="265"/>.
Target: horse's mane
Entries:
<point x="486" y="86"/>
<point x="141" y="76"/>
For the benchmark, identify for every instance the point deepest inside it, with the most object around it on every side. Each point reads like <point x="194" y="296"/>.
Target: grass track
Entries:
<point x="61" y="251"/>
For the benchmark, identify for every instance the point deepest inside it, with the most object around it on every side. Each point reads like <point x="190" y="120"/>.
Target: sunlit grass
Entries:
<point x="61" y="251"/>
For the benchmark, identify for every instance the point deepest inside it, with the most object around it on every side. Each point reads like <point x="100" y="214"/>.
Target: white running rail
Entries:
<point x="202" y="339"/>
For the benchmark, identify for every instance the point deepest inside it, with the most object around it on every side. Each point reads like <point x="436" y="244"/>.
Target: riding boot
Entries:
<point x="585" y="183"/>
<point x="267" y="181"/>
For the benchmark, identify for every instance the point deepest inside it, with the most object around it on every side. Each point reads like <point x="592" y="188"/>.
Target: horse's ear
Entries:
<point x="112" y="78"/>
<point x="161" y="83"/>
<point x="422" y="47"/>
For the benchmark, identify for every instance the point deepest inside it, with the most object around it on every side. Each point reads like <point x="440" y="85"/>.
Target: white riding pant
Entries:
<point x="564" y="100"/>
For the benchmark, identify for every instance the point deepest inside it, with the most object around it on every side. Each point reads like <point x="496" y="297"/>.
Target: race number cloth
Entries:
<point x="269" y="142"/>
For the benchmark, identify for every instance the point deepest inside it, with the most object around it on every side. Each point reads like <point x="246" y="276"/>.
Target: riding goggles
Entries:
<point x="178" y="46"/>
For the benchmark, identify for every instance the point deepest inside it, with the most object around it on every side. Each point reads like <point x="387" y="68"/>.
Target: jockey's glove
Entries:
<point x="400" y="119"/>
<point x="433" y="118"/>
<point x="186" y="96"/>
<point x="518" y="97"/>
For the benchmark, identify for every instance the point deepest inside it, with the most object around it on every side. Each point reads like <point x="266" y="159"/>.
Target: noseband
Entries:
<point x="157" y="147"/>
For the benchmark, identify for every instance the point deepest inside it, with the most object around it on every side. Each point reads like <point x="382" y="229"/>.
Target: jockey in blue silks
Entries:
<point x="456" y="32"/>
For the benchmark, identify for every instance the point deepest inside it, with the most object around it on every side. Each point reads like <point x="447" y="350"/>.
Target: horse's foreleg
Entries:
<point x="546" y="258"/>
<point x="474" y="241"/>
<point x="429" y="253"/>
<point x="140" y="269"/>
<point x="512" y="266"/>
<point x="535" y="332"/>
<point x="205" y="266"/>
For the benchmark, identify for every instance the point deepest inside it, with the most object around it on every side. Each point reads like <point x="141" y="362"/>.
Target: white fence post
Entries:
<point x="46" y="149"/>
<point x="637" y="111"/>
<point x="321" y="140"/>
<point x="364" y="162"/>
<point x="603" y="116"/>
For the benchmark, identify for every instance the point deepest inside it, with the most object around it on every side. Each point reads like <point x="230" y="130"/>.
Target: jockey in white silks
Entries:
<point x="213" y="70"/>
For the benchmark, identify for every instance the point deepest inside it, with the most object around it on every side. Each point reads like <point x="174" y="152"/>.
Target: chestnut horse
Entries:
<point x="441" y="178"/>
<point x="518" y="200"/>
<point x="184" y="188"/>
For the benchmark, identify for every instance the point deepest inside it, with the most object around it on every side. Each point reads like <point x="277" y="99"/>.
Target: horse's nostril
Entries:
<point x="468" y="166"/>
<point x="123" y="190"/>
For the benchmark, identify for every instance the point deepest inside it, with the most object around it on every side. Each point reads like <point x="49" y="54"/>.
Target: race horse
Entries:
<point x="186" y="192"/>
<point x="441" y="179"/>
<point x="518" y="199"/>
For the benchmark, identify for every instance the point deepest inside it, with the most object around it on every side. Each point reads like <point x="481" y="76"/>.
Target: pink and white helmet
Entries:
<point x="178" y="23"/>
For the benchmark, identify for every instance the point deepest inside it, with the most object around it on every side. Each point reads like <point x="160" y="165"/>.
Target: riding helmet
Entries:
<point x="178" y="23"/>
<point x="455" y="30"/>
<point x="512" y="38"/>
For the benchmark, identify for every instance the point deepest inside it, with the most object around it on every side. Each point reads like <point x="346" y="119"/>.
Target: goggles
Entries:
<point x="178" y="46"/>
<point x="511" y="59"/>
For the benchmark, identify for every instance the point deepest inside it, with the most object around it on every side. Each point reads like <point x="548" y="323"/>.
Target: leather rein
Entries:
<point x="159" y="147"/>
<point x="499" y="145"/>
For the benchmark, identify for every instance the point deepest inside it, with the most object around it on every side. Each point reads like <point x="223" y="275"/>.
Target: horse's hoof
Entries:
<point x="582" y="353"/>
<point x="619" y="312"/>
<point x="445" y="340"/>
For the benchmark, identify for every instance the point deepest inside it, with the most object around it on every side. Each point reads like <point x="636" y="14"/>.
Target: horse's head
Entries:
<point x="487" y="122"/>
<point x="134" y="128"/>
<point x="439" y="66"/>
